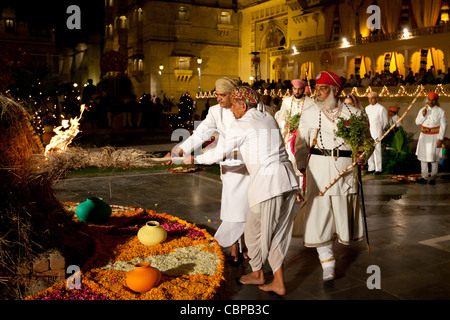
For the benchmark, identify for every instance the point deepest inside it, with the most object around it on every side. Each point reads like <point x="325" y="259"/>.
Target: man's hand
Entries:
<point x="424" y="112"/>
<point x="439" y="144"/>
<point x="188" y="160"/>
<point x="360" y="159"/>
<point x="299" y="196"/>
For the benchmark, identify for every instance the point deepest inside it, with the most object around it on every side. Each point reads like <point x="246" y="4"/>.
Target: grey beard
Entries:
<point x="328" y="104"/>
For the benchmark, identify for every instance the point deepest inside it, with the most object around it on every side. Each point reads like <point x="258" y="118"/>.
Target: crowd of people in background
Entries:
<point x="423" y="77"/>
<point x="129" y="112"/>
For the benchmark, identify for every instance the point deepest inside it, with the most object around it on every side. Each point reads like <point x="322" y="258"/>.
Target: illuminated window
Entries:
<point x="108" y="3"/>
<point x="140" y="14"/>
<point x="183" y="13"/>
<point x="140" y="65"/>
<point x="9" y="25"/>
<point x="123" y="22"/>
<point x="183" y="63"/>
<point x="225" y="18"/>
<point x="109" y="30"/>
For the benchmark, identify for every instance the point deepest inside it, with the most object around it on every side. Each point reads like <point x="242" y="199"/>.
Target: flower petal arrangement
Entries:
<point x="191" y="262"/>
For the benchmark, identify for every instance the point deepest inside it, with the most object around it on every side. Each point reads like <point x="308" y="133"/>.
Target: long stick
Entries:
<point x="376" y="142"/>
<point x="363" y="207"/>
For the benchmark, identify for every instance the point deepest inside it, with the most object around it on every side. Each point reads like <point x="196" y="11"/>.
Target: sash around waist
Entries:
<point x="428" y="130"/>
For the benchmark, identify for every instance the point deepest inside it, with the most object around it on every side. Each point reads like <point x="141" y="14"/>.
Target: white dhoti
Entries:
<point x="428" y="153"/>
<point x="325" y="218"/>
<point x="375" y="161"/>
<point x="234" y="208"/>
<point x="268" y="231"/>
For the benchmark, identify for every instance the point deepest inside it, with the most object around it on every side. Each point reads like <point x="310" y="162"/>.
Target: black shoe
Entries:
<point x="369" y="172"/>
<point x="423" y="181"/>
<point x="377" y="173"/>
<point x="432" y="182"/>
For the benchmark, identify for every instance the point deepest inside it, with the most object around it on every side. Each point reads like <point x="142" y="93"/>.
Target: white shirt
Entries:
<point x="290" y="107"/>
<point x="378" y="119"/>
<point x="426" y="150"/>
<point x="218" y="120"/>
<point x="321" y="170"/>
<point x="259" y="140"/>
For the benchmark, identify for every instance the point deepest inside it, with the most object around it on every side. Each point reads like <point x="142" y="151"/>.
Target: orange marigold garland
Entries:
<point x="116" y="242"/>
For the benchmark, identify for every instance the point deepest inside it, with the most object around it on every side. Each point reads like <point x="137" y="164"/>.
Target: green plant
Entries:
<point x="398" y="157"/>
<point x="355" y="132"/>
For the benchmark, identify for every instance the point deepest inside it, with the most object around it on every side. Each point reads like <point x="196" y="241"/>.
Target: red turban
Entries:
<point x="394" y="109"/>
<point x="433" y="95"/>
<point x="298" y="83"/>
<point x="331" y="79"/>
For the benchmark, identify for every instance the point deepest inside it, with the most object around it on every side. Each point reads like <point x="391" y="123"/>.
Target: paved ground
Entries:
<point x="409" y="229"/>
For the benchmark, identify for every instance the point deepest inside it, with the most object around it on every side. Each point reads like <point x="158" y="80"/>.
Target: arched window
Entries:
<point x="391" y="61"/>
<point x="123" y="22"/>
<point x="434" y="57"/>
<point x="140" y="65"/>
<point x="140" y="14"/>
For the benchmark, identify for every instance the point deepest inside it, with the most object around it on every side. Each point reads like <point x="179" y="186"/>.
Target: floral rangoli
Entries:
<point x="190" y="260"/>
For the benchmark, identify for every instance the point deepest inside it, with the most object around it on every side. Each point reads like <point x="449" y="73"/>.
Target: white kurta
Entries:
<point x="336" y="213"/>
<point x="259" y="141"/>
<point x="426" y="146"/>
<point x="378" y="119"/>
<point x="271" y="193"/>
<point x="289" y="108"/>
<point x="235" y="177"/>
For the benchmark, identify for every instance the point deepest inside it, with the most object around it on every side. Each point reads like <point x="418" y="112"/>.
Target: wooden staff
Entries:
<point x="376" y="142"/>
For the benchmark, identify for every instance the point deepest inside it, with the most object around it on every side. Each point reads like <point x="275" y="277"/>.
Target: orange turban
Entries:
<point x="433" y="95"/>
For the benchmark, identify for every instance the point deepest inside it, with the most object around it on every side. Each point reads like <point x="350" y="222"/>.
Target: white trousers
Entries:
<point x="268" y="231"/>
<point x="326" y="256"/>
<point x="375" y="161"/>
<point x="424" y="169"/>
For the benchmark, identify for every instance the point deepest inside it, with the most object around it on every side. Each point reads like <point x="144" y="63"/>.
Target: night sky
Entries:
<point x="53" y="14"/>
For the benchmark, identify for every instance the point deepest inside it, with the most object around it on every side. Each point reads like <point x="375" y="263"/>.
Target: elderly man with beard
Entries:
<point x="322" y="156"/>
<point x="272" y="190"/>
<point x="234" y="174"/>
<point x="290" y="107"/>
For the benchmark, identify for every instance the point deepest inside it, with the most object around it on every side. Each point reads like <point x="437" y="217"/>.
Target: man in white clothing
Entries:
<point x="433" y="122"/>
<point x="337" y="213"/>
<point x="272" y="190"/>
<point x="378" y="119"/>
<point x="235" y="177"/>
<point x="291" y="109"/>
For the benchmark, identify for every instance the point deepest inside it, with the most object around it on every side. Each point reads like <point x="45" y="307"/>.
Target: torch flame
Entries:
<point x="63" y="138"/>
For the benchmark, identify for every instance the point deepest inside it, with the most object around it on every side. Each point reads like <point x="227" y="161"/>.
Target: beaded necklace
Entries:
<point x="336" y="114"/>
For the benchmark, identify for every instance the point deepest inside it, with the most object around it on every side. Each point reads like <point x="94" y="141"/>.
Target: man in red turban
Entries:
<point x="321" y="155"/>
<point x="287" y="117"/>
<point x="433" y="122"/>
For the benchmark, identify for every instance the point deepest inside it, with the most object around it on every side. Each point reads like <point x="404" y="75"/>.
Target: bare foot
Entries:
<point x="279" y="289"/>
<point x="255" y="277"/>
<point x="234" y="252"/>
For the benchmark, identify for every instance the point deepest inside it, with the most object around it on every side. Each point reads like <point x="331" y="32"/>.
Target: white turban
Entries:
<point x="226" y="84"/>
